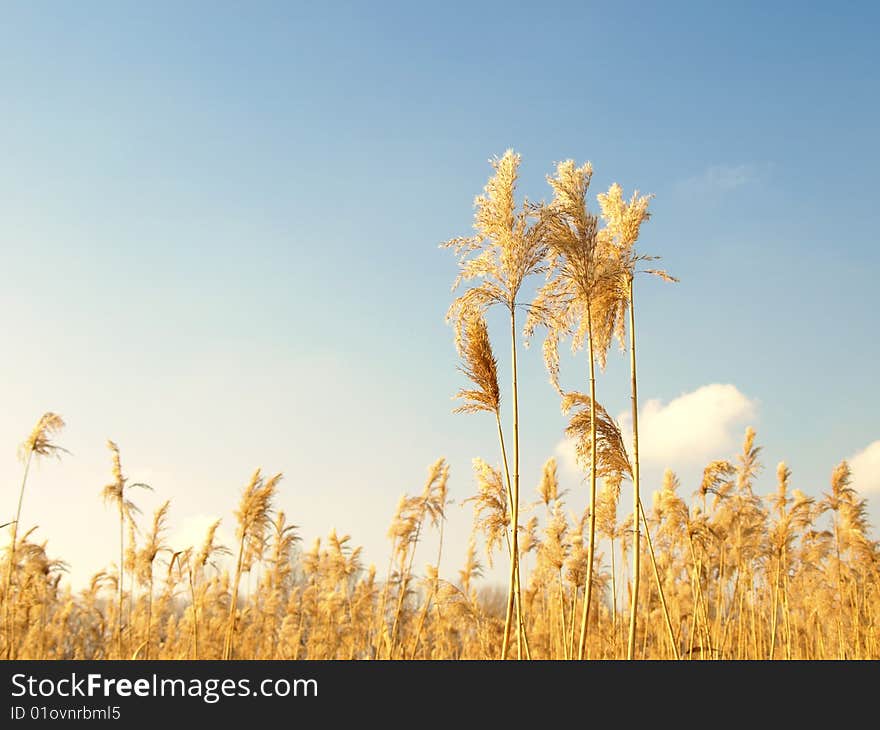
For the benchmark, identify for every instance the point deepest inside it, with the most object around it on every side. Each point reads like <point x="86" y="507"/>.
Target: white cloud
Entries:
<point x="696" y="427"/>
<point x="721" y="179"/>
<point x="865" y="467"/>
<point x="566" y="456"/>
<point x="690" y="430"/>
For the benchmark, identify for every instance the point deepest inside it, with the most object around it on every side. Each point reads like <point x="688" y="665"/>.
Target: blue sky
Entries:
<point x="219" y="227"/>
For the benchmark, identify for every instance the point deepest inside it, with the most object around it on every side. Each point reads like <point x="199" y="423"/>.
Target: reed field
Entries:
<point x="703" y="571"/>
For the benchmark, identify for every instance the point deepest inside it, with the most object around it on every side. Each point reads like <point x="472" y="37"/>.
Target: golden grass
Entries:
<point x="727" y="575"/>
<point x="743" y="577"/>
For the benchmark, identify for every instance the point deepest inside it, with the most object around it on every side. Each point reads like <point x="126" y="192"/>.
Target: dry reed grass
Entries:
<point x="730" y="575"/>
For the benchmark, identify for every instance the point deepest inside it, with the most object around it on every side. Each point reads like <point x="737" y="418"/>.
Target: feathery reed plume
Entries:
<point x="507" y="248"/>
<point x="196" y="563"/>
<point x="402" y="525"/>
<point x="548" y="488"/>
<point x="209" y="546"/>
<point x="404" y="533"/>
<point x="736" y="580"/>
<point x="155" y="544"/>
<point x="279" y="579"/>
<point x="749" y="466"/>
<point x="606" y="525"/>
<point x="491" y="515"/>
<point x="254" y="519"/>
<point x="788" y="523"/>
<point x="610" y="452"/>
<point x="436" y="506"/>
<point x="472" y="568"/>
<point x="623" y="221"/>
<point x="431" y="504"/>
<point x="716" y="480"/>
<point x="39" y="442"/>
<point x="739" y="515"/>
<point x="847" y="520"/>
<point x="40" y="439"/>
<point x="673" y="644"/>
<point x="480" y="366"/>
<point x="116" y="493"/>
<point x="598" y="441"/>
<point x="575" y="302"/>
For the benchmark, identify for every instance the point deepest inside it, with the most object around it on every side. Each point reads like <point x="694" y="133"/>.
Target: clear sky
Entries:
<point x="219" y="229"/>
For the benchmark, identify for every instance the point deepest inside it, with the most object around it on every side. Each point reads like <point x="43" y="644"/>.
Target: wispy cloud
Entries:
<point x="722" y="179"/>
<point x="865" y="467"/>
<point x="690" y="430"/>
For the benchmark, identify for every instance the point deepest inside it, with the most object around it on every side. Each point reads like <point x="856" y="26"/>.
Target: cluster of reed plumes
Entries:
<point x="732" y="575"/>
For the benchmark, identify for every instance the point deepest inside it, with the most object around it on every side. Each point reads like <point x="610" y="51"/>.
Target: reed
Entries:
<point x="720" y="574"/>
<point x="732" y="575"/>
<point x="507" y="248"/>
<point x="40" y="443"/>
<point x="254" y="519"/>
<point x="116" y="494"/>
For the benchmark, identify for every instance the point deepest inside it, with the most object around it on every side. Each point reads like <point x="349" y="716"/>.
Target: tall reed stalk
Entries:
<point x="575" y="302"/>
<point x="623" y="220"/>
<point x="39" y="442"/>
<point x="116" y="493"/>
<point x="254" y="516"/>
<point x="507" y="248"/>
